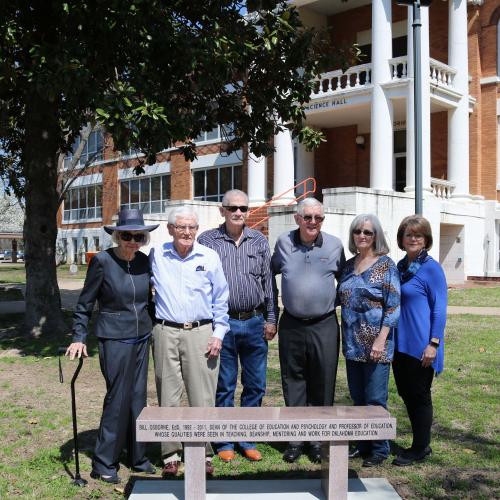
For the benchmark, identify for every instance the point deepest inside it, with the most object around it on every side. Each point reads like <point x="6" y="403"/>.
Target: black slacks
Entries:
<point x="309" y="354"/>
<point x="414" y="386"/>
<point x="125" y="369"/>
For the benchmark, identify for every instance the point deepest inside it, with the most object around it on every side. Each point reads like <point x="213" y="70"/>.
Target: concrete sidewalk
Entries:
<point x="483" y="311"/>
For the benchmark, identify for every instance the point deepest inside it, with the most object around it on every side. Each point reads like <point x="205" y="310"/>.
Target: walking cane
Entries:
<point x="77" y="480"/>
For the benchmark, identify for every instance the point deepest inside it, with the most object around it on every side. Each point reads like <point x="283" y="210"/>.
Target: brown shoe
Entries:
<point x="226" y="455"/>
<point x="252" y="454"/>
<point x="209" y="468"/>
<point x="170" y="469"/>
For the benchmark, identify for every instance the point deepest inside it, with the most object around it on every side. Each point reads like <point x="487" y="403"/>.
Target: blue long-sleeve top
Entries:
<point x="369" y="300"/>
<point x="423" y="312"/>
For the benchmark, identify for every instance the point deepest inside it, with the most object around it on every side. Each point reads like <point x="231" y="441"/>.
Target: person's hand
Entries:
<point x="76" y="350"/>
<point x="378" y="348"/>
<point x="214" y="347"/>
<point x="428" y="356"/>
<point x="269" y="331"/>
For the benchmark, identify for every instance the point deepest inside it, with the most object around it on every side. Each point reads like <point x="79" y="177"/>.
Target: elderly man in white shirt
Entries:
<point x="191" y="295"/>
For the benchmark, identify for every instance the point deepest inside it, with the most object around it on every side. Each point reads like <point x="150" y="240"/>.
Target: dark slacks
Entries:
<point x="309" y="355"/>
<point x="414" y="386"/>
<point x="125" y="369"/>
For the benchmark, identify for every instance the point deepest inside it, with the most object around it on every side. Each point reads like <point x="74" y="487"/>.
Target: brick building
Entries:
<point x="366" y="165"/>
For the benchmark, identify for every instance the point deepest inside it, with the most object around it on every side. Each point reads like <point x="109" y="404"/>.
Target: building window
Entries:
<point x="215" y="135"/>
<point x="149" y="194"/>
<point x="211" y="184"/>
<point x="92" y="151"/>
<point x="83" y="203"/>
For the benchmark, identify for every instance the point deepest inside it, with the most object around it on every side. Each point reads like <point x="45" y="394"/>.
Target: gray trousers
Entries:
<point x="125" y="369"/>
<point x="181" y="361"/>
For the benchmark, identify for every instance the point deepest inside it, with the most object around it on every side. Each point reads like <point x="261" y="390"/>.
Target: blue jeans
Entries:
<point x="368" y="385"/>
<point x="245" y="340"/>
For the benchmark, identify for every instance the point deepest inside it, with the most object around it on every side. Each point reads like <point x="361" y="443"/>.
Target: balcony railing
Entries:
<point x="335" y="81"/>
<point x="441" y="188"/>
<point x="357" y="77"/>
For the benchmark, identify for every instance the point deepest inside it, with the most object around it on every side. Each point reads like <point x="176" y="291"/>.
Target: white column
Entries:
<point x="283" y="167"/>
<point x="381" y="140"/>
<point x="257" y="179"/>
<point x="305" y="166"/>
<point x="426" y="105"/>
<point x="458" y="119"/>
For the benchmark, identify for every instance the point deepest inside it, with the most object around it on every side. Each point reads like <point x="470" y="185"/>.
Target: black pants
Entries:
<point x="308" y="358"/>
<point x="125" y="369"/>
<point x="414" y="386"/>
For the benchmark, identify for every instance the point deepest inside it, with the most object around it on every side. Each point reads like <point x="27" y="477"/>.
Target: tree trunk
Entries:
<point x="43" y="301"/>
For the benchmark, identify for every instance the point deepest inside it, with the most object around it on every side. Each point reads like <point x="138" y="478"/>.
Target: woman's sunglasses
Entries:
<point x="366" y="232"/>
<point x="137" y="237"/>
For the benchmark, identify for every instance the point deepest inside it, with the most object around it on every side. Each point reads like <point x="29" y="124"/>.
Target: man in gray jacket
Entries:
<point x="309" y="262"/>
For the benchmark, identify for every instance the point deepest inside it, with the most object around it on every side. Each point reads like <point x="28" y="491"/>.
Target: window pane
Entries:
<point x="237" y="177"/>
<point x="98" y="195"/>
<point x="165" y="187"/>
<point x="73" y="193"/>
<point x="91" y="196"/>
<point x="144" y="187"/>
<point x="134" y="191"/>
<point x="200" y="138"/>
<point x="82" y="196"/>
<point x="145" y="207"/>
<point x="124" y="192"/>
<point x="156" y="188"/>
<point x="66" y="214"/>
<point x="99" y="145"/>
<point x="199" y="183"/>
<point x="212" y="182"/>
<point x="92" y="143"/>
<point x="225" y="179"/>
<point x="91" y="213"/>
<point x="156" y="207"/>
<point x="213" y="134"/>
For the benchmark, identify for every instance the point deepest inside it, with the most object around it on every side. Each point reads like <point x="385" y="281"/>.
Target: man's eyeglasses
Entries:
<point x="137" y="237"/>
<point x="234" y="208"/>
<point x="366" y="232"/>
<point x="310" y="218"/>
<point x="191" y="229"/>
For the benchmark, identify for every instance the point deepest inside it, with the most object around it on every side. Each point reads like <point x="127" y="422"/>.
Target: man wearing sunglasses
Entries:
<point x="246" y="260"/>
<point x="310" y="262"/>
<point x="191" y="295"/>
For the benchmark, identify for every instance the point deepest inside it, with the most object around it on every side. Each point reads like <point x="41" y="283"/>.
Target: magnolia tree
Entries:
<point x="152" y="73"/>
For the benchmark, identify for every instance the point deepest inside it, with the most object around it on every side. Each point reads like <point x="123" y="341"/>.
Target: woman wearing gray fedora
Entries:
<point x="118" y="279"/>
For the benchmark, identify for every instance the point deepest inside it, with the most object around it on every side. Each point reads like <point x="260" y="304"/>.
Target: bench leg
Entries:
<point x="195" y="483"/>
<point x="334" y="469"/>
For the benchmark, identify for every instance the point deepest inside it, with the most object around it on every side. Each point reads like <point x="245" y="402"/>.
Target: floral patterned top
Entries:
<point x="369" y="301"/>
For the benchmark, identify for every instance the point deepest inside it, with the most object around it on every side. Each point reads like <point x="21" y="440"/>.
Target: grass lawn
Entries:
<point x="475" y="297"/>
<point x="36" y="456"/>
<point x="15" y="273"/>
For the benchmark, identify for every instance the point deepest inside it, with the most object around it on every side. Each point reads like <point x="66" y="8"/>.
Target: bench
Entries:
<point x="335" y="426"/>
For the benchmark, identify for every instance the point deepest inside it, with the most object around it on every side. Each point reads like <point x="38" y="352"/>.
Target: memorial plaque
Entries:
<point x="265" y="424"/>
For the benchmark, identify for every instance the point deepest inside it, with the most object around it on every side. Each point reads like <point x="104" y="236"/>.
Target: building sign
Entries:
<point x="331" y="103"/>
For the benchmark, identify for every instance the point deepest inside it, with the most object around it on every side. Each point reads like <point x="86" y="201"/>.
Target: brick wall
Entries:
<point x="180" y="177"/>
<point x="439" y="145"/>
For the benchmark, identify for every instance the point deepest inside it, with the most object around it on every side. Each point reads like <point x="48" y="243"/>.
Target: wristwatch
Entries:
<point x="434" y="342"/>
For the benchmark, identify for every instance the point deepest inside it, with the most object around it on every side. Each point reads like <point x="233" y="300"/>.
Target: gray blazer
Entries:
<point x="121" y="289"/>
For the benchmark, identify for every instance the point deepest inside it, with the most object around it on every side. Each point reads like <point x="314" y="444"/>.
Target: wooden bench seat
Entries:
<point x="335" y="426"/>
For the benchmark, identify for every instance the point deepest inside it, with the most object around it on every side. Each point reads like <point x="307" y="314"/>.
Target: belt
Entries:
<point x="188" y="325"/>
<point x="310" y="321"/>
<point x="242" y="316"/>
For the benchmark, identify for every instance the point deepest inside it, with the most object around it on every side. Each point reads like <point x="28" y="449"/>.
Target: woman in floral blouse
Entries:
<point x="369" y="294"/>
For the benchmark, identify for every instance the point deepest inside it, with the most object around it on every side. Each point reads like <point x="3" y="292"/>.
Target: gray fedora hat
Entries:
<point x="130" y="219"/>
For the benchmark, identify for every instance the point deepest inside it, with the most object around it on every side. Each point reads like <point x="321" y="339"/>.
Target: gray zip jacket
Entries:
<point x="121" y="289"/>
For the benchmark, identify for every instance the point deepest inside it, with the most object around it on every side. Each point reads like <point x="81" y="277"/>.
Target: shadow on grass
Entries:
<point x="46" y="344"/>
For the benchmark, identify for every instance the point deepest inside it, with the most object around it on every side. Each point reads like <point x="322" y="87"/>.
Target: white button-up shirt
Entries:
<point x="190" y="289"/>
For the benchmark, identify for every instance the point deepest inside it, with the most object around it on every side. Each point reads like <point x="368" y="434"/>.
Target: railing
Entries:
<point x="441" y="188"/>
<point x="442" y="74"/>
<point x="399" y="67"/>
<point x="306" y="191"/>
<point x="335" y="81"/>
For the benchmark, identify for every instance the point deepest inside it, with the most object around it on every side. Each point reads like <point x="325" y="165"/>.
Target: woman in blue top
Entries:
<point x="420" y="332"/>
<point x="369" y="295"/>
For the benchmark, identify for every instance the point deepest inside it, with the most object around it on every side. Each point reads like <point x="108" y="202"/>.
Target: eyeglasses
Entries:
<point x="234" y="208"/>
<point x="137" y="237"/>
<point x="191" y="229"/>
<point x="309" y="218"/>
<point x="366" y="232"/>
<point x="414" y="236"/>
